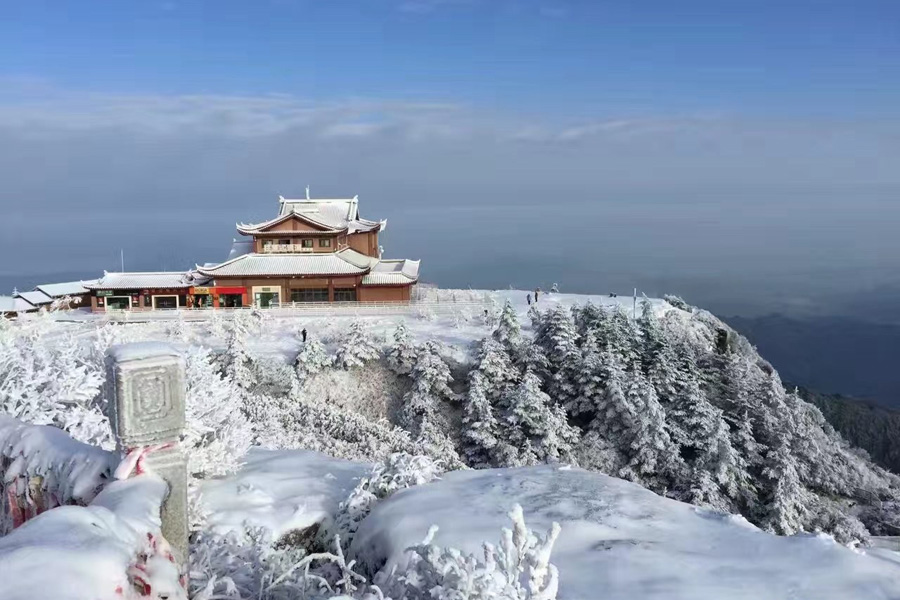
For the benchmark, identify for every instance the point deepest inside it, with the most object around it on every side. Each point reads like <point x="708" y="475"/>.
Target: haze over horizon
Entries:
<point x="746" y="157"/>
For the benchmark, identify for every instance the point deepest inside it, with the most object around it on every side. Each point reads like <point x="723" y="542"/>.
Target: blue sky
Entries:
<point x="534" y="56"/>
<point x="708" y="148"/>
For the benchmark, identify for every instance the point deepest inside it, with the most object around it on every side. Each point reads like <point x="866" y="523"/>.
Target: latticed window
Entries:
<point x="307" y="243"/>
<point x="325" y="243"/>
<point x="310" y="295"/>
<point x="345" y="294"/>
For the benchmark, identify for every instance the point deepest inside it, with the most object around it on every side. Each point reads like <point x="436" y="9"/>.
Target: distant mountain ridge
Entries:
<point x="839" y="354"/>
<point x="867" y="425"/>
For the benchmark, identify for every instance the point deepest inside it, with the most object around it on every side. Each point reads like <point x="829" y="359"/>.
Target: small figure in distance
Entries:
<point x="303" y="334"/>
<point x="537" y="294"/>
<point x="611" y="295"/>
<point x="529" y="299"/>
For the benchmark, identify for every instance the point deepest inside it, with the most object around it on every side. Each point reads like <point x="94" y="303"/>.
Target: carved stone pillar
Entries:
<point x="146" y="392"/>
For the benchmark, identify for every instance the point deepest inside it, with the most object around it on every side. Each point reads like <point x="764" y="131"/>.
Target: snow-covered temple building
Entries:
<point x="315" y="250"/>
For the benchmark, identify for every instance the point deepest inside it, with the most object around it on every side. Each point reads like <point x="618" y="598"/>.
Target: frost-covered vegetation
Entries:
<point x="669" y="398"/>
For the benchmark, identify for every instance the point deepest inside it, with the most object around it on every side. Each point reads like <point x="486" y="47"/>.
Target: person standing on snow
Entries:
<point x="537" y="293"/>
<point x="529" y="299"/>
<point x="303" y="333"/>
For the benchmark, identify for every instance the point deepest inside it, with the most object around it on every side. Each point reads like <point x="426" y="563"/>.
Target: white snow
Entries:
<point x="280" y="491"/>
<point x="622" y="542"/>
<point x="83" y="553"/>
<point x="619" y="541"/>
<point x="71" y="471"/>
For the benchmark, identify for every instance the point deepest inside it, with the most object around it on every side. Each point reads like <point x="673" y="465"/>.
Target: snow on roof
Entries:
<point x="10" y="304"/>
<point x="7" y="304"/>
<point x="161" y="279"/>
<point x="344" y="262"/>
<point x="336" y="214"/>
<point x="36" y="297"/>
<point x="239" y="248"/>
<point x="393" y="272"/>
<point x="71" y="288"/>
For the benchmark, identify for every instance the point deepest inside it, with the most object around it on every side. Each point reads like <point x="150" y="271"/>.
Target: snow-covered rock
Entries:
<point x="280" y="491"/>
<point x="84" y="553"/>
<point x="620" y="541"/>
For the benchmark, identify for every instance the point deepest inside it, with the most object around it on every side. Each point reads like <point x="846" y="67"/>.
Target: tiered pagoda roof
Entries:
<point x="328" y="217"/>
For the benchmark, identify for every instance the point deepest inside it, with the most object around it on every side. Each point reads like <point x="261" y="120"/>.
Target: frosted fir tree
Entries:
<point x="357" y="347"/>
<point x="785" y="505"/>
<point x="217" y="434"/>
<point x="431" y="386"/>
<point x="508" y="331"/>
<point x="480" y="426"/>
<point x="587" y="317"/>
<point x="312" y="359"/>
<point x="652" y="338"/>
<point x="558" y="338"/>
<point x="612" y="412"/>
<point x="590" y="378"/>
<point x="729" y="469"/>
<point x="533" y="420"/>
<point x="238" y="363"/>
<point x="496" y="368"/>
<point x="652" y="456"/>
<point x="401" y="357"/>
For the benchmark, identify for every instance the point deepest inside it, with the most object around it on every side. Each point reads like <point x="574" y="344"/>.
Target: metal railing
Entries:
<point x="416" y="308"/>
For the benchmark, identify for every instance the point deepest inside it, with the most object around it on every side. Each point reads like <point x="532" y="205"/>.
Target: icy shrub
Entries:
<point x="243" y="567"/>
<point x="518" y="568"/>
<point x="398" y="471"/>
<point x="217" y="433"/>
<point x="48" y="378"/>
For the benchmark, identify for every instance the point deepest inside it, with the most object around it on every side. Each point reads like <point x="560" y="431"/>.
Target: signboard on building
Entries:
<point x="202" y="290"/>
<point x="104" y="293"/>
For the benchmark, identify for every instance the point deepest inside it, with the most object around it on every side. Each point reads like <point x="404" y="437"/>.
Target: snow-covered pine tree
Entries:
<point x="621" y="336"/>
<point x="237" y="357"/>
<point x="481" y="429"/>
<point x="558" y="338"/>
<point x="401" y="357"/>
<point x="508" y="331"/>
<point x="590" y="378"/>
<point x="312" y="359"/>
<point x="652" y="338"/>
<point x="496" y="368"/>
<point x="535" y="423"/>
<point x="652" y="456"/>
<point x="785" y="511"/>
<point x="357" y="347"/>
<point x="431" y="386"/>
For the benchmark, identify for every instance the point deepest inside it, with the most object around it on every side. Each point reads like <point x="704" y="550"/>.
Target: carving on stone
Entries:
<point x="146" y="394"/>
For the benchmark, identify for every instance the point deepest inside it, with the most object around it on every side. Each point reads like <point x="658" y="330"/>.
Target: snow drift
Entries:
<point x="620" y="541"/>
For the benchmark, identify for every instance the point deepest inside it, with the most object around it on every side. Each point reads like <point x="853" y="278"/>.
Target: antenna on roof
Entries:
<point x="307" y="192"/>
<point x="123" y="259"/>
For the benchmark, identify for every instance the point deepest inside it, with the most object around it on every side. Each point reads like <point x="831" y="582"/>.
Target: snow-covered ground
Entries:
<point x="618" y="541"/>
<point x="280" y="491"/>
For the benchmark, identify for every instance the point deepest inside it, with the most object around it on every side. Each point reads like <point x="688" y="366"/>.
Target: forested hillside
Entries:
<point x="670" y="398"/>
<point x="873" y="428"/>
